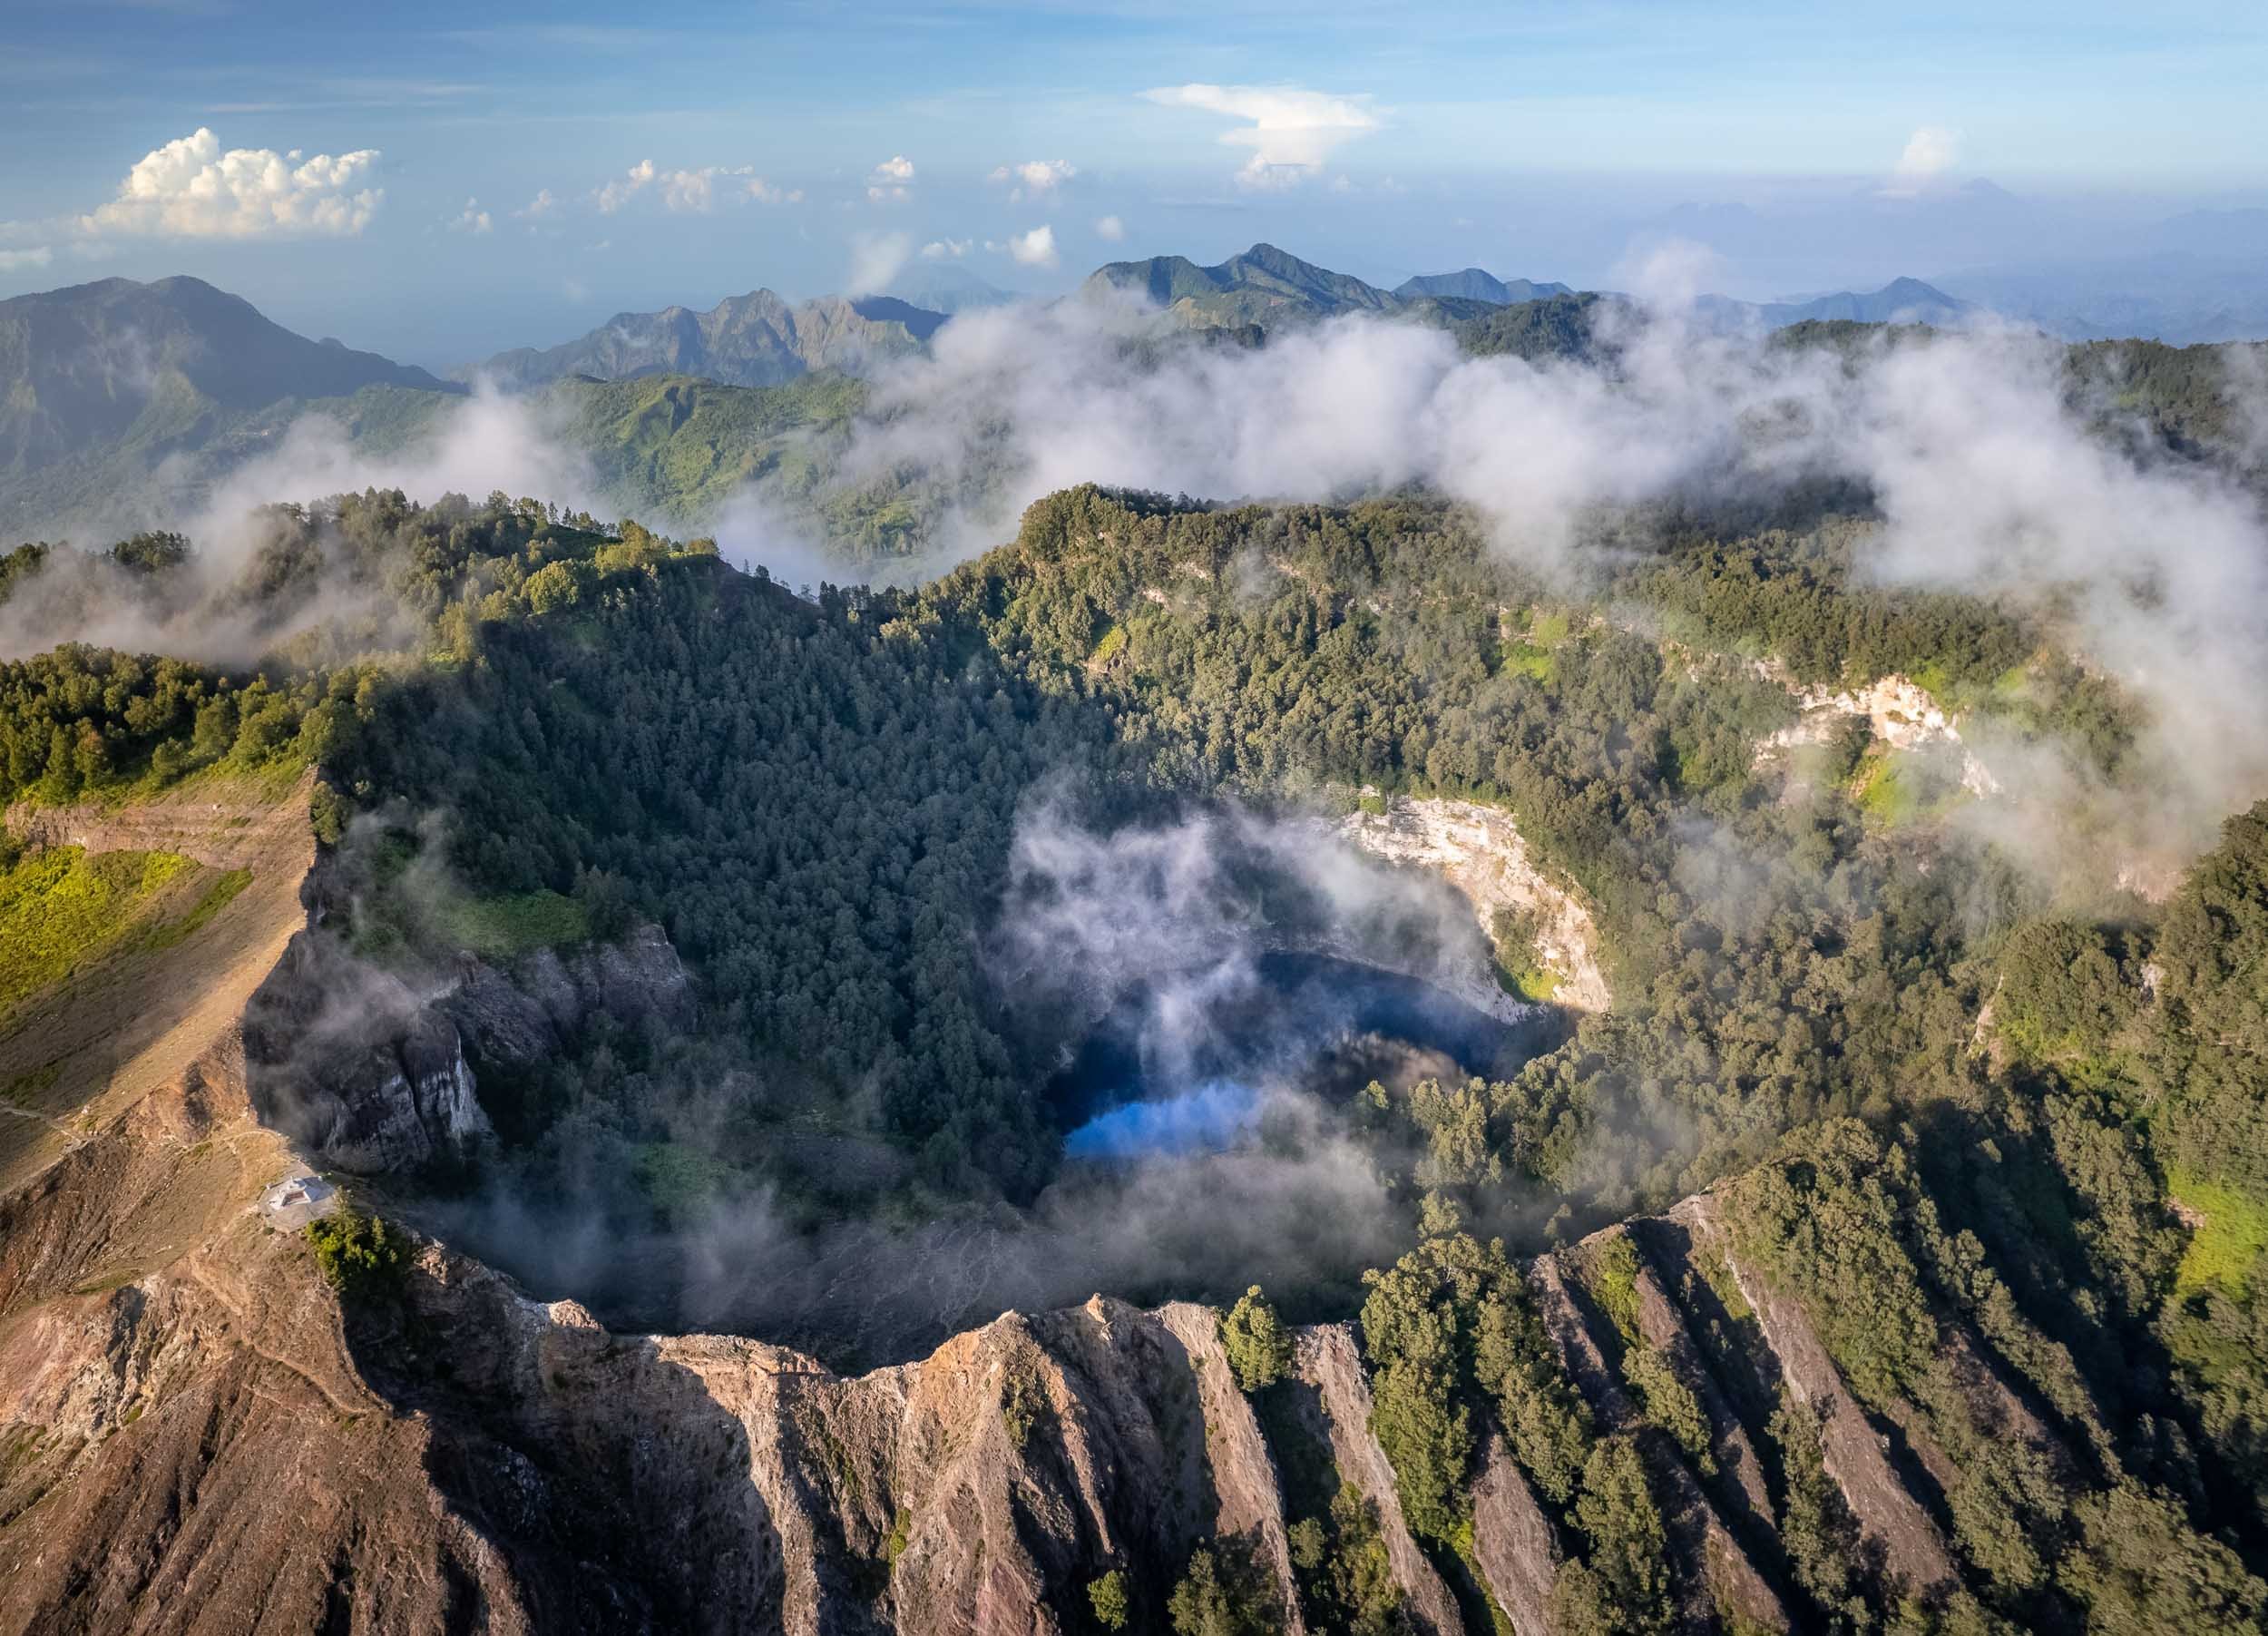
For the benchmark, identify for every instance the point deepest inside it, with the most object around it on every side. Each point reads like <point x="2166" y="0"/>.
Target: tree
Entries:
<point x="1108" y="1596"/>
<point x="1259" y="1346"/>
<point x="1222" y="1594"/>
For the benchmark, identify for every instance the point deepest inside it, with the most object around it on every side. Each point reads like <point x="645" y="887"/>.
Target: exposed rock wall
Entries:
<point x="1479" y="851"/>
<point x="373" y="1077"/>
<point x="1898" y="711"/>
<point x="351" y="1064"/>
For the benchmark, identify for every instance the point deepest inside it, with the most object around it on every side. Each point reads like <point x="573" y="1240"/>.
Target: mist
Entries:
<point x="1174" y="1183"/>
<point x="1987" y="471"/>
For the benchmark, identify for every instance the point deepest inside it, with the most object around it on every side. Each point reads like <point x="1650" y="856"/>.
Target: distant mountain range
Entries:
<point x="756" y="339"/>
<point x="941" y="286"/>
<point x="158" y="365"/>
<point x="1900" y="301"/>
<point x="121" y="403"/>
<point x="1474" y="285"/>
<point x="2180" y="297"/>
<point x="1265" y="288"/>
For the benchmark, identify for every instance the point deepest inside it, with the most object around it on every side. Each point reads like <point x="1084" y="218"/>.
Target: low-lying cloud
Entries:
<point x="1989" y="475"/>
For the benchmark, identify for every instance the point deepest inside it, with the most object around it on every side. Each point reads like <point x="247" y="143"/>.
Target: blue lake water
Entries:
<point x="1178" y="1067"/>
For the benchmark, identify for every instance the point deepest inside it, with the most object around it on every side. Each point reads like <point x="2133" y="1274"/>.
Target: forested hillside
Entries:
<point x="2003" y="1146"/>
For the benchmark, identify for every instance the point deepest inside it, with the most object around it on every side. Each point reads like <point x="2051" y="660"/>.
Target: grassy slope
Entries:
<point x="681" y="446"/>
<point x="60" y="909"/>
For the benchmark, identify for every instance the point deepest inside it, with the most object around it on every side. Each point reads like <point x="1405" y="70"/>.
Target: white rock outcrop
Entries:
<point x="1480" y="851"/>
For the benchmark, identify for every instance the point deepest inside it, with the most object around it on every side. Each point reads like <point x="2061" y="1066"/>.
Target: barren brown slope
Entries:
<point x="184" y="1443"/>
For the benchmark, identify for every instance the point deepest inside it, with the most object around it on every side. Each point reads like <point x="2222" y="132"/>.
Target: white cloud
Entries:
<point x="472" y="219"/>
<point x="876" y="259"/>
<point x="1291" y="131"/>
<point x="1930" y="152"/>
<point x="1110" y="228"/>
<point x="1035" y="248"/>
<point x="699" y="190"/>
<point x="543" y="204"/>
<point x="619" y="193"/>
<point x="190" y="189"/>
<point x="1038" y="177"/>
<point x="947" y="249"/>
<point x="887" y="185"/>
<point x="13" y="261"/>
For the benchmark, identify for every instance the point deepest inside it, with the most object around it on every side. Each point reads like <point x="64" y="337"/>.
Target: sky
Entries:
<point x="439" y="181"/>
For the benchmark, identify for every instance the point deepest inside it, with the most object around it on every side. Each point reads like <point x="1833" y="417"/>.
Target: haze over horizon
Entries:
<point x="438" y="191"/>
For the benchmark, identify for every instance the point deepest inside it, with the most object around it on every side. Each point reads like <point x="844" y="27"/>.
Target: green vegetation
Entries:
<point x="1520" y="969"/>
<point x="815" y="799"/>
<point x="1023" y="1403"/>
<point x="514" y="923"/>
<point x="1223" y="1593"/>
<point x="2228" y="1239"/>
<point x="359" y="1256"/>
<point x="1259" y="1344"/>
<point x="61" y="909"/>
<point x="1107" y="1595"/>
<point x="1558" y="328"/>
<point x="1346" y="1581"/>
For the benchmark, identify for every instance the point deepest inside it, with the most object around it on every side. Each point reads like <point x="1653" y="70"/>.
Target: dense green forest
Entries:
<point x="1934" y="1099"/>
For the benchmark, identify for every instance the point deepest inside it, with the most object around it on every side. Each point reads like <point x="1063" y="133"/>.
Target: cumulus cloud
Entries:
<point x="615" y="195"/>
<point x="876" y="259"/>
<point x="1039" y="177"/>
<point x="543" y="204"/>
<point x="1035" y="248"/>
<point x="1110" y="228"/>
<point x="190" y="189"/>
<point x="472" y="219"/>
<point x="1929" y="153"/>
<point x="947" y="249"/>
<point x="891" y="181"/>
<point x="38" y="255"/>
<point x="697" y="190"/>
<point x="1292" y="132"/>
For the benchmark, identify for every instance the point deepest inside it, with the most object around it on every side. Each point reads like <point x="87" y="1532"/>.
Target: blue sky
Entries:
<point x="1544" y="140"/>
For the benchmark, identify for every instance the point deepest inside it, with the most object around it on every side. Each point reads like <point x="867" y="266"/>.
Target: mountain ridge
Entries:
<point x="102" y="361"/>
<point x="756" y="339"/>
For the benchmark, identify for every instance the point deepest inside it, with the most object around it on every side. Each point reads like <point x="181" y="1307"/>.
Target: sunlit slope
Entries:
<point x="131" y="938"/>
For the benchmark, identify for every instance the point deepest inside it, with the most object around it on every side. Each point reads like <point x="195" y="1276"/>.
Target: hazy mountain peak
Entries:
<point x="1476" y="284"/>
<point x="79" y="365"/>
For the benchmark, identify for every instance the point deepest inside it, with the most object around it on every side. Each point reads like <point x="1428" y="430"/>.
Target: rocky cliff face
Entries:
<point x="373" y="1076"/>
<point x="1898" y="711"/>
<point x="353" y="1067"/>
<point x="1479" y="851"/>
